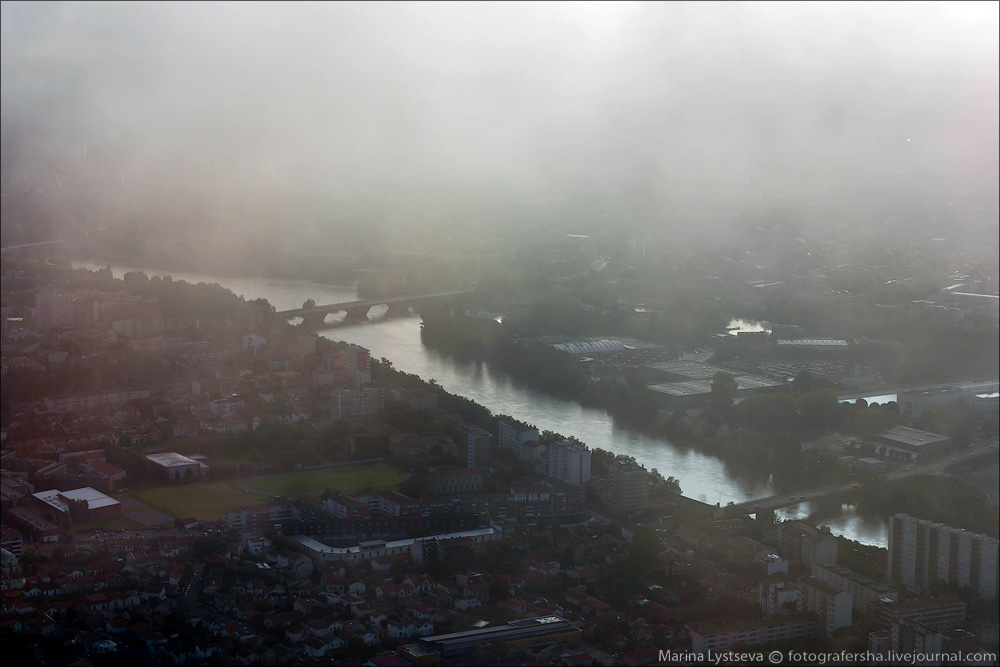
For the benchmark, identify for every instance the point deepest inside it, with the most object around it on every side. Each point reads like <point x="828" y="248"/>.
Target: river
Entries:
<point x="701" y="477"/>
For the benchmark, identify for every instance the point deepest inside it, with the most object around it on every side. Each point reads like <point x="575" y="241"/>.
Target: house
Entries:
<point x="421" y="583"/>
<point x="400" y="628"/>
<point x="314" y="648"/>
<point x="393" y="591"/>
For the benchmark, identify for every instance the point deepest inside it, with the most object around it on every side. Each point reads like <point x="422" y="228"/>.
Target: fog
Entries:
<point x="238" y="121"/>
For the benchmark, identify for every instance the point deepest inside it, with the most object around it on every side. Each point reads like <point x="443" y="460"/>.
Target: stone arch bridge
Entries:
<point x="357" y="311"/>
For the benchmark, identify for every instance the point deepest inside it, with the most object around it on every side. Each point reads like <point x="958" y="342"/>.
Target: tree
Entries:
<point x="723" y="392"/>
<point x="498" y="590"/>
<point x="397" y="570"/>
<point x="802" y="384"/>
<point x="309" y="303"/>
<point x="645" y="546"/>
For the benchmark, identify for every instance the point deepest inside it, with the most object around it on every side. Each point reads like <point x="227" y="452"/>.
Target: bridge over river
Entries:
<point x="933" y="467"/>
<point x="357" y="311"/>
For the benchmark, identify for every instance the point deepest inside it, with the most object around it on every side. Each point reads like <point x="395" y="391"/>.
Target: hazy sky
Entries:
<point x="420" y="112"/>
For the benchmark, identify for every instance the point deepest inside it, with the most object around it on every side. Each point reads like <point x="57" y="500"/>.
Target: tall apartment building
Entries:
<point x="921" y="551"/>
<point x="569" y="461"/>
<point x="832" y="606"/>
<point x="53" y="310"/>
<point x="778" y="594"/>
<point x="862" y="589"/>
<point x="355" y="403"/>
<point x="356" y="360"/>
<point x="477" y="444"/>
<point x="629" y="486"/>
<point x="804" y="545"/>
<point x="518" y="437"/>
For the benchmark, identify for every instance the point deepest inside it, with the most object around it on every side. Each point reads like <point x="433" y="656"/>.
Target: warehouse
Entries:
<point x="174" y="466"/>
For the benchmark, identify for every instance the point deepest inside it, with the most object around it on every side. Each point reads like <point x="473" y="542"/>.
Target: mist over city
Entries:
<point x="500" y="333"/>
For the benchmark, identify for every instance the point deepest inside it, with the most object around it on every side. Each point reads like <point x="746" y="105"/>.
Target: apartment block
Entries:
<point x="833" y="607"/>
<point x="710" y="637"/>
<point x="922" y="551"/>
<point x="862" y="589"/>
<point x="349" y="403"/>
<point x="518" y="437"/>
<point x="569" y="461"/>
<point x="629" y="486"/>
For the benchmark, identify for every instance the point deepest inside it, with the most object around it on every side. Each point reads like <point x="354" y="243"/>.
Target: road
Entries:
<point x="189" y="599"/>
<point x="937" y="466"/>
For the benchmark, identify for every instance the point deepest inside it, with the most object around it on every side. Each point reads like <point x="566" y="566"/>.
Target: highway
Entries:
<point x="934" y="467"/>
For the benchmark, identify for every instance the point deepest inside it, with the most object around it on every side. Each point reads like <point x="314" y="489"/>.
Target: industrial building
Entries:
<point x="472" y="645"/>
<point x="98" y="506"/>
<point x="982" y="396"/>
<point x="174" y="466"/>
<point x="910" y="444"/>
<point x="689" y="381"/>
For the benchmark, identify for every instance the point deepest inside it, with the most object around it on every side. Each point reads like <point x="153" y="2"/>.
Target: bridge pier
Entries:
<point x="397" y="310"/>
<point x="357" y="314"/>
<point x="313" y="320"/>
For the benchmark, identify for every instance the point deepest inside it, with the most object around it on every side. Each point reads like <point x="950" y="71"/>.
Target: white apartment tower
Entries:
<point x="569" y="461"/>
<point x="921" y="551"/>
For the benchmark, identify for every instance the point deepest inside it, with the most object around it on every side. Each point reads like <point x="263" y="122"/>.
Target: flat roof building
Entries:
<point x="98" y="508"/>
<point x="515" y="635"/>
<point x="903" y="442"/>
<point x="177" y="466"/>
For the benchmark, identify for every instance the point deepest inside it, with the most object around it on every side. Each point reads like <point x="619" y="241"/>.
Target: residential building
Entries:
<point x="922" y="551"/>
<point x="40" y="528"/>
<point x="778" y="594"/>
<point x="569" y="461"/>
<point x="95" y="401"/>
<point x="349" y="403"/>
<point x="11" y="539"/>
<point x="833" y="607"/>
<point x="477" y="444"/>
<point x="945" y="612"/>
<point x="629" y="486"/>
<point x="517" y="437"/>
<point x="806" y="546"/>
<point x="445" y="482"/>
<point x="53" y="310"/>
<point x="862" y="589"/>
<point x="720" y="637"/>
<point x="346" y="507"/>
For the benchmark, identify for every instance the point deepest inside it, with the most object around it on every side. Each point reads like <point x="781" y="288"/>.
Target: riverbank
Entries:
<point x="702" y="476"/>
<point x="775" y="456"/>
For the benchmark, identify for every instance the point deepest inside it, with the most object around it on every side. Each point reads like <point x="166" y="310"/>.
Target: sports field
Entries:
<point x="202" y="500"/>
<point x="314" y="481"/>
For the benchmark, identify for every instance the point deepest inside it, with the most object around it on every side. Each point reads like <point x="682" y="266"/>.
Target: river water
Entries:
<point x="701" y="477"/>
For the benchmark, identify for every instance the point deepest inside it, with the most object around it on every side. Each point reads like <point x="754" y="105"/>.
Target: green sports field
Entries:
<point x="314" y="481"/>
<point x="202" y="500"/>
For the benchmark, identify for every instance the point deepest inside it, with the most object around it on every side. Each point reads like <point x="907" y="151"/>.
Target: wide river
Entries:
<point x="701" y="477"/>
